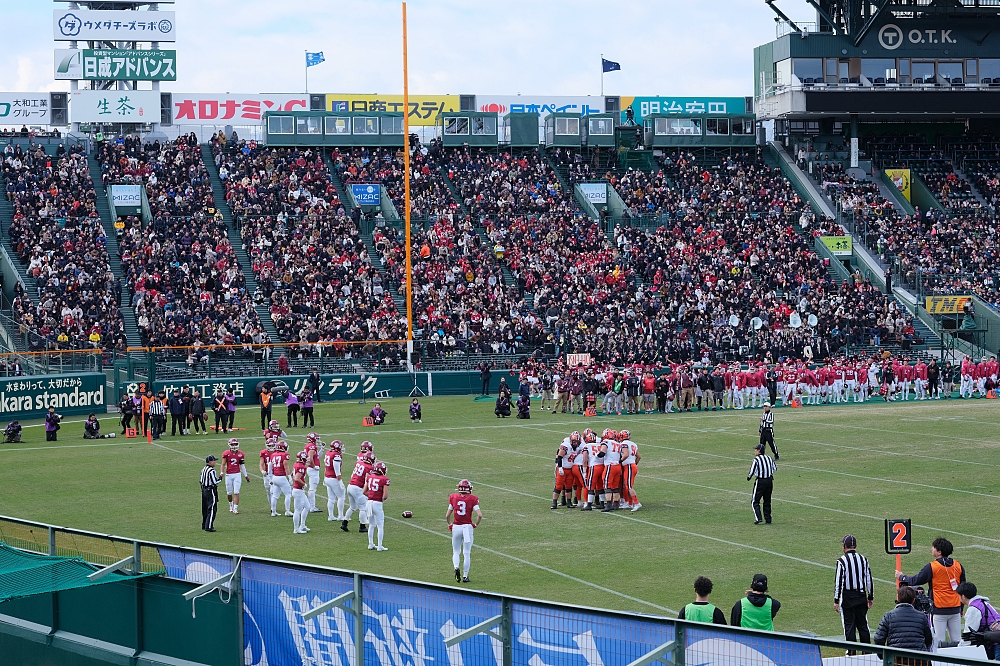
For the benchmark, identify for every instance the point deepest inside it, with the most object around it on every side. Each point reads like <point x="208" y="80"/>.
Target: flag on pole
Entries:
<point x="314" y="58"/>
<point x="609" y="66"/>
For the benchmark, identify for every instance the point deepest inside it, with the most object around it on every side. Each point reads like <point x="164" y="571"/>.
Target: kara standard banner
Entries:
<point x="424" y="109"/>
<point x="901" y="179"/>
<point x="947" y="305"/>
<point x="25" y="108"/>
<point x="596" y="193"/>
<point x="113" y="26"/>
<point x="367" y="194"/>
<point x="115" y="65"/>
<point x="30" y="397"/>
<point x="232" y="108"/>
<point x="115" y="106"/>
<point x="840" y="246"/>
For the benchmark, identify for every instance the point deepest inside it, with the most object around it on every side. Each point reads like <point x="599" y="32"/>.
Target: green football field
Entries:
<point x="842" y="469"/>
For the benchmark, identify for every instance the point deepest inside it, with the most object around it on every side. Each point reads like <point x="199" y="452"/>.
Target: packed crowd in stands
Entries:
<point x="59" y="239"/>
<point x="180" y="270"/>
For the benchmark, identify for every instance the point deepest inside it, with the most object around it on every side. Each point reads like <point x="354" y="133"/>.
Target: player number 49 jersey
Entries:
<point x="375" y="486"/>
<point x="463" y="506"/>
<point x="361" y="471"/>
<point x="233" y="460"/>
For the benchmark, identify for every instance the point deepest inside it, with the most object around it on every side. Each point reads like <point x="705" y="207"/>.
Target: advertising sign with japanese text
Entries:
<point x="115" y="106"/>
<point x="424" y="109"/>
<point x="25" y="108"/>
<point x="644" y="106"/>
<point x="71" y="25"/>
<point x="543" y="105"/>
<point x="367" y="194"/>
<point x="126" y="197"/>
<point x="840" y="246"/>
<point x="31" y="396"/>
<point x="232" y="108"/>
<point x="115" y="65"/>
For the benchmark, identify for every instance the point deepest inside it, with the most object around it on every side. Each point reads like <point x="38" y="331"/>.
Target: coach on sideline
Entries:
<point x="853" y="592"/>
<point x="209" y="494"/>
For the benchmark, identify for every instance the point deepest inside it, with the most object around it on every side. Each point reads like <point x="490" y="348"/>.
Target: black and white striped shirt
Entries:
<point x="853" y="574"/>
<point x="209" y="479"/>
<point x="762" y="467"/>
<point x="767" y="420"/>
<point x="157" y="408"/>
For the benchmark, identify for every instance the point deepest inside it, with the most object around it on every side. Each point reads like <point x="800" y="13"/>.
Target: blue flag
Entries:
<point x="609" y="65"/>
<point x="314" y="58"/>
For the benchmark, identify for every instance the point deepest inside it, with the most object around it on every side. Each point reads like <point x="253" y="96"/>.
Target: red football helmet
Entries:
<point x="271" y="444"/>
<point x="302" y="456"/>
<point x="312" y="437"/>
<point x="337" y="445"/>
<point x="283" y="446"/>
<point x="464" y="487"/>
<point x="367" y="446"/>
<point x="274" y="426"/>
<point x="379" y="468"/>
<point x="623" y="435"/>
<point x="607" y="433"/>
<point x="590" y="437"/>
<point x="588" y="432"/>
<point x="369" y="458"/>
<point x="234" y="444"/>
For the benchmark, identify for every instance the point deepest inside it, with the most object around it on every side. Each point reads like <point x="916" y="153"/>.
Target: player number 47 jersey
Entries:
<point x="233" y="460"/>
<point x="463" y="506"/>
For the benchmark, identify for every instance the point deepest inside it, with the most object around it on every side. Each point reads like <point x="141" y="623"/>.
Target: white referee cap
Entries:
<point x="767" y="404"/>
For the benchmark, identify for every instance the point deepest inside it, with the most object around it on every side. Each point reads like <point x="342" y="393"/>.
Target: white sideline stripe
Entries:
<point x="738" y="492"/>
<point x="65" y="446"/>
<point x="489" y="550"/>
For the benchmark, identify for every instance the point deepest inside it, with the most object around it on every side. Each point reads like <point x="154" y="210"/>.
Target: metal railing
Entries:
<point x="322" y="608"/>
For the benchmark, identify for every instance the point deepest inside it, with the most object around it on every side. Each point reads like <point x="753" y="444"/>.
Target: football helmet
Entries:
<point x="623" y="435"/>
<point x="607" y="433"/>
<point x="367" y="446"/>
<point x="587" y="433"/>
<point x="379" y="468"/>
<point x="312" y="437"/>
<point x="234" y="444"/>
<point x="302" y="456"/>
<point x="464" y="487"/>
<point x="590" y="437"/>
<point x="283" y="446"/>
<point x="274" y="426"/>
<point x="271" y="445"/>
<point x="574" y="437"/>
<point x="369" y="457"/>
<point x="337" y="445"/>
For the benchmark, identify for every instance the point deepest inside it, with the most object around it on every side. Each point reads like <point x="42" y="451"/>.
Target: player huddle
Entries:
<point x="599" y="471"/>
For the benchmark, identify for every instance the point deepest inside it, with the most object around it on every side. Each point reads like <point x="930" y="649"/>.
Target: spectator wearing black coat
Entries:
<point x="484" y="376"/>
<point x="197" y="411"/>
<point x="718" y="389"/>
<point x="178" y="411"/>
<point x="663" y="394"/>
<point x="705" y="386"/>
<point x="904" y="626"/>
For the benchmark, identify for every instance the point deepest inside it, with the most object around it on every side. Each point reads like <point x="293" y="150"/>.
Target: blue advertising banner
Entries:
<point x="644" y="106"/>
<point x="367" y="194"/>
<point x="194" y="567"/>
<point x="706" y="647"/>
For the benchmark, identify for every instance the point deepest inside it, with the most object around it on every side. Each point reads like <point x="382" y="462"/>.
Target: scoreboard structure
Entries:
<point x="904" y="60"/>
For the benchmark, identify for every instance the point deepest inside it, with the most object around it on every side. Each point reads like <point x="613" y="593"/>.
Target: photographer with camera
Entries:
<point x="51" y="424"/>
<point x="92" y="429"/>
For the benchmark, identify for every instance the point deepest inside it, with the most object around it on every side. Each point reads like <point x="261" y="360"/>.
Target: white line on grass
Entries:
<point x="489" y="550"/>
<point x="899" y="432"/>
<point x="725" y="490"/>
<point x="889" y="453"/>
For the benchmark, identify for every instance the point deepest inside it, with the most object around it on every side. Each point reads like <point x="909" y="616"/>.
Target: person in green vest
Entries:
<point x="757" y="609"/>
<point x="700" y="610"/>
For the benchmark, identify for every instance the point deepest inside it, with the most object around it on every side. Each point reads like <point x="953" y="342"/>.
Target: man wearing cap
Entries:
<point x="766" y="429"/>
<point x="757" y="609"/>
<point x="763" y="468"/>
<point x="852" y="591"/>
<point x="209" y="494"/>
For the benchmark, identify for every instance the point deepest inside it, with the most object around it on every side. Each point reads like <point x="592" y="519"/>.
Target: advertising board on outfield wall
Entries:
<point x="543" y="105"/>
<point x="71" y="25"/>
<point x="115" y="65"/>
<point x="424" y="109"/>
<point x="115" y="106"/>
<point x="232" y="108"/>
<point x="26" y="108"/>
<point x="644" y="106"/>
<point x="31" y="396"/>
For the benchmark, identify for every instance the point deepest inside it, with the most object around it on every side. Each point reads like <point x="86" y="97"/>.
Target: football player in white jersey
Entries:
<point x="334" y="482"/>
<point x="630" y="464"/>
<point x="592" y="447"/>
<point x="610" y="453"/>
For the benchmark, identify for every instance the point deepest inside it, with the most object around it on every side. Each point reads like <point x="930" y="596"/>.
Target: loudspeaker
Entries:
<point x="612" y="104"/>
<point x="166" y="109"/>
<point x="317" y="102"/>
<point x="59" y="108"/>
<point x="466" y="102"/>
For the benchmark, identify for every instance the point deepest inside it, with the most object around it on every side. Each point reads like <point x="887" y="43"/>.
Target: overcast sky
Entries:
<point x="670" y="47"/>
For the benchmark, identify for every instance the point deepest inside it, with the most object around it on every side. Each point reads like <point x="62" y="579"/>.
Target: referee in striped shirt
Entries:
<point x="209" y="494"/>
<point x="766" y="429"/>
<point x="763" y="468"/>
<point x="852" y="591"/>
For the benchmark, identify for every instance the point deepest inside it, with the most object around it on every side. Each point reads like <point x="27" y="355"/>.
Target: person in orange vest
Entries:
<point x="943" y="574"/>
<point x="265" y="407"/>
<point x="146" y="399"/>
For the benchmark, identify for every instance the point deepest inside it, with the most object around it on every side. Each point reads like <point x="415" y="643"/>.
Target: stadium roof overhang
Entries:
<point x="897" y="104"/>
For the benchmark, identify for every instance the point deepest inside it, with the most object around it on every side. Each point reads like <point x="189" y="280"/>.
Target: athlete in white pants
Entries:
<point x="299" y="494"/>
<point x="333" y="481"/>
<point x="461" y="508"/>
<point x="280" y="486"/>
<point x="377" y="492"/>
<point x="356" y="501"/>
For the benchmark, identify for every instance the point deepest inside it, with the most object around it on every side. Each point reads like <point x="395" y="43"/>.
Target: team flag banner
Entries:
<point x="901" y="179"/>
<point x="947" y="305"/>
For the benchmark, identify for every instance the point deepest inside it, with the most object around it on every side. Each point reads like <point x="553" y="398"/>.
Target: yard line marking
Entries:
<point x="63" y="446"/>
<point x="915" y="434"/>
<point x="724" y="490"/>
<point x="889" y="453"/>
<point x="976" y="545"/>
<point x="488" y="550"/>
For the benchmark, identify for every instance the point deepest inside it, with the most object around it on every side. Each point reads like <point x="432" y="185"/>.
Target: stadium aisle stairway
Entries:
<point x="219" y="196"/>
<point x="114" y="253"/>
<point x="338" y="184"/>
<point x="376" y="260"/>
<point x="6" y="218"/>
<point x="453" y="190"/>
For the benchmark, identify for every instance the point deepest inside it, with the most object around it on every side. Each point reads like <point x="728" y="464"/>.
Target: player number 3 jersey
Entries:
<point x="463" y="506"/>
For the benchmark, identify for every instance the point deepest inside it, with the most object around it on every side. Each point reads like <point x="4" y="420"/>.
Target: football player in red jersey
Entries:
<point x="461" y="506"/>
<point x="356" y="493"/>
<point x="299" y="494"/>
<point x="278" y="463"/>
<point x="335" y="491"/>
<point x="377" y="492"/>
<point x="313" y="448"/>
<point x="234" y="461"/>
<point x="270" y="446"/>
